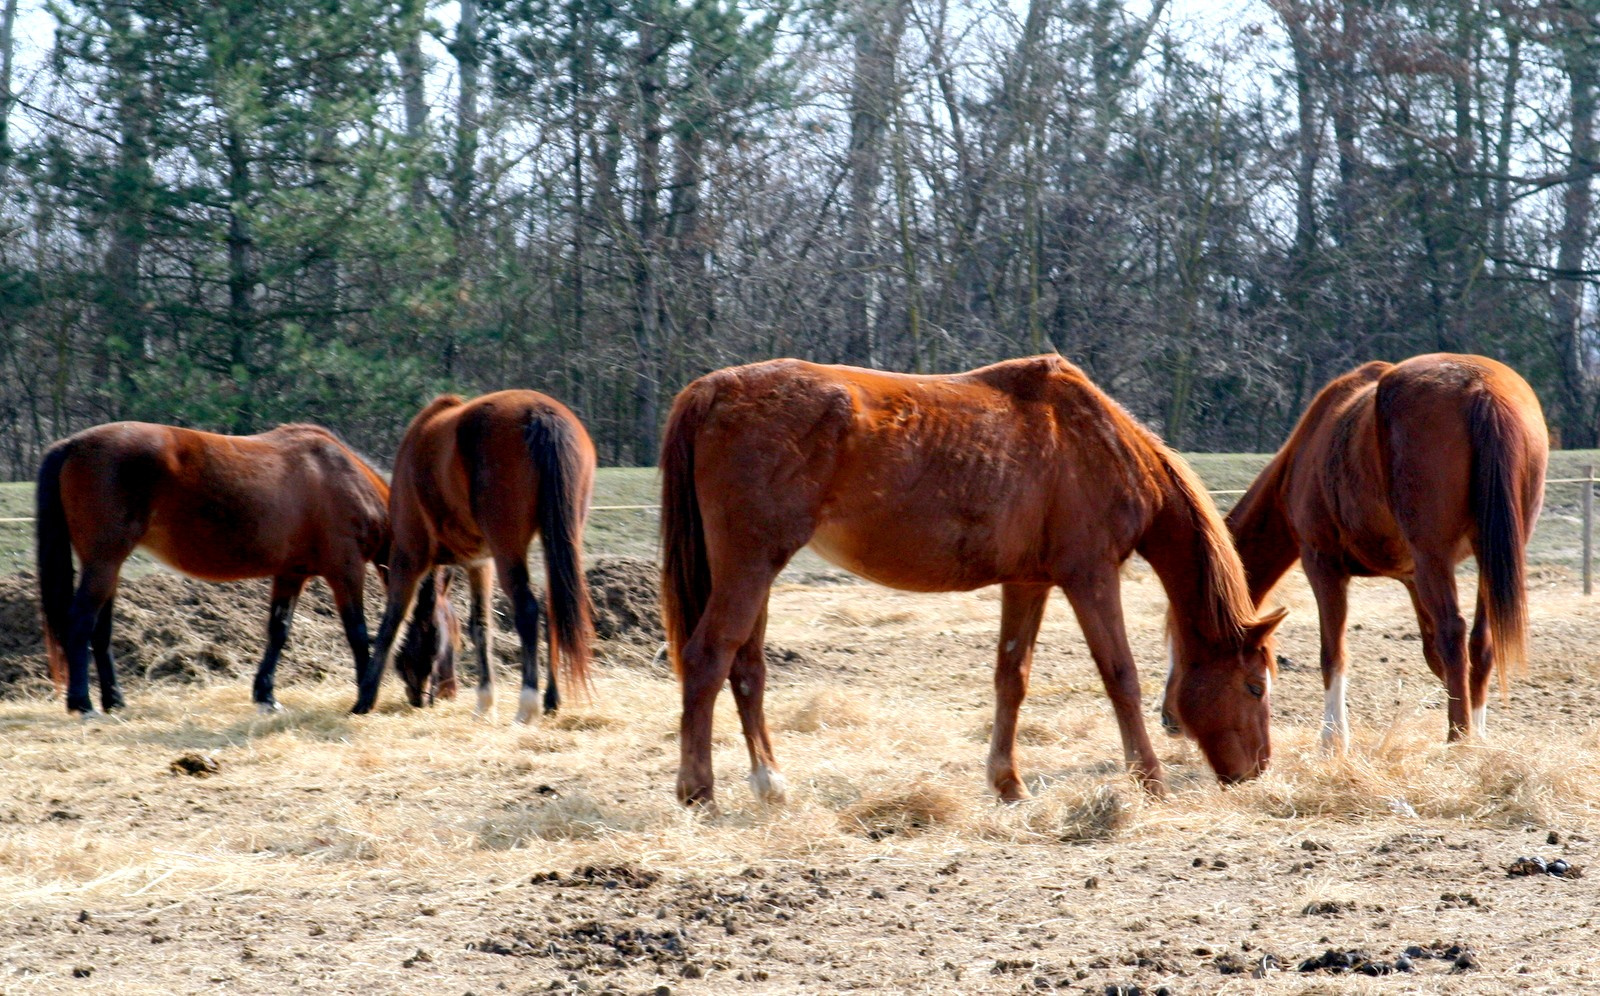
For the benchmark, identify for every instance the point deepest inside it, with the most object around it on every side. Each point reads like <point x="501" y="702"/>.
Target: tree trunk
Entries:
<point x="122" y="318"/>
<point x="647" y="330"/>
<point x="8" y="21"/>
<point x="241" y="279"/>
<point x="1572" y="242"/>
<point x="877" y="45"/>
<point x="414" y="103"/>
<point x="463" y="171"/>
<point x="1502" y="151"/>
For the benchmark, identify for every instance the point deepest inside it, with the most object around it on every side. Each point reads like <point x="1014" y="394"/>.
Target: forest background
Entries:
<point x="230" y="214"/>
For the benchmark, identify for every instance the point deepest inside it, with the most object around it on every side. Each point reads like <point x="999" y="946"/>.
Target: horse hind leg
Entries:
<point x="285" y="594"/>
<point x="727" y="627"/>
<point x="1021" y="611"/>
<point x="525" y="615"/>
<point x="1480" y="650"/>
<point x="89" y="619"/>
<point x="1446" y="633"/>
<point x="105" y="664"/>
<point x="748" y="675"/>
<point x="479" y="581"/>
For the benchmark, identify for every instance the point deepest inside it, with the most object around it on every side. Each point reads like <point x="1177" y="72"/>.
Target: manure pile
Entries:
<point x="173" y="629"/>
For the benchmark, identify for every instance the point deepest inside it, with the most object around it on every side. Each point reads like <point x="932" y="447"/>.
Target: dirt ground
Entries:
<point x="193" y="846"/>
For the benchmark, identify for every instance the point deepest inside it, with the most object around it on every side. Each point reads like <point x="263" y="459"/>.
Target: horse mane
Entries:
<point x="1221" y="579"/>
<point x="1220" y="586"/>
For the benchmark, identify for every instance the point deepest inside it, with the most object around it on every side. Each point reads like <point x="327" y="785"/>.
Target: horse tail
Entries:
<point x="53" y="547"/>
<point x="558" y="457"/>
<point x="685" y="569"/>
<point x="1499" y="450"/>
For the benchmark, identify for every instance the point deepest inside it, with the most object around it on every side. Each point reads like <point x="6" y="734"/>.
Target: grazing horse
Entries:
<point x="474" y="481"/>
<point x="1400" y="471"/>
<point x="288" y="504"/>
<point x="1022" y="474"/>
<point x="432" y="639"/>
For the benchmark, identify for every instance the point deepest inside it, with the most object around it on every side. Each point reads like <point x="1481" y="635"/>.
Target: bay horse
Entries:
<point x="288" y="504"/>
<point x="474" y="481"/>
<point x="1400" y="471"/>
<point x="431" y="641"/>
<point x="1022" y="474"/>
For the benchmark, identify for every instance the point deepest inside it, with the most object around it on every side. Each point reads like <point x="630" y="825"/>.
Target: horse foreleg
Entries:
<point x="285" y="594"/>
<point x="525" y="615"/>
<point x="1480" y="650"/>
<point x="403" y="580"/>
<point x="105" y="664"/>
<point x="1446" y="632"/>
<point x="479" y="578"/>
<point x="748" y="676"/>
<point x="1097" y="602"/>
<point x="1021" y="611"/>
<point x="1331" y="587"/>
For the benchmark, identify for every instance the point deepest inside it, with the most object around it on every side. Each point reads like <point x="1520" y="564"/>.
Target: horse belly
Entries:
<point x="208" y="555"/>
<point x="919" y="562"/>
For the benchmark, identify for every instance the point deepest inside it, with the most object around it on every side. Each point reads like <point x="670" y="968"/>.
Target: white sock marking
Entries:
<point x="1480" y="720"/>
<point x="485" y="702"/>
<point x="1335" y="723"/>
<point x="768" y="784"/>
<point x="527" y="705"/>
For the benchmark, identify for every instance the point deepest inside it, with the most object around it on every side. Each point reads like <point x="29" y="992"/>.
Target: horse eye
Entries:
<point x="1255" y="689"/>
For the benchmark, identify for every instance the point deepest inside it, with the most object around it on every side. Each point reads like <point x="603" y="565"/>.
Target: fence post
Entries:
<point x="1588" y="528"/>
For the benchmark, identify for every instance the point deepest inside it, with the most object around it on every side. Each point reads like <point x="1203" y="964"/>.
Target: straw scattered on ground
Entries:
<point x="422" y="851"/>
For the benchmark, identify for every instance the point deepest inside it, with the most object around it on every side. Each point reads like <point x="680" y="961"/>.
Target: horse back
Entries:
<point x="221" y="507"/>
<point x="922" y="481"/>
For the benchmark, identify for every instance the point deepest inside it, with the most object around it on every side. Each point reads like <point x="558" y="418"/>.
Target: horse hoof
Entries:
<point x="527" y="706"/>
<point x="769" y="786"/>
<point x="268" y="708"/>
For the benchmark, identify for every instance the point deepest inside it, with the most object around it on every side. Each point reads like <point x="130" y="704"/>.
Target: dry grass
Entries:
<point x="314" y="812"/>
<point x="415" y="790"/>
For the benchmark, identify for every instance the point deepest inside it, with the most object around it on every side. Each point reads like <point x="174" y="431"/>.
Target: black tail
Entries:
<point x="554" y="445"/>
<point x="53" y="545"/>
<point x="685" y="570"/>
<point x="1499" y="455"/>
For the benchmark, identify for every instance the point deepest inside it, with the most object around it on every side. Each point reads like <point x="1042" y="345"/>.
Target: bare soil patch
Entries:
<point x="421" y="851"/>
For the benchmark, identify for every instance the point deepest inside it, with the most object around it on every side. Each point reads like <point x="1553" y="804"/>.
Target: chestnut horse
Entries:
<point x="1022" y="474"/>
<point x="1400" y="471"/>
<point x="474" y="481"/>
<point x="288" y="504"/>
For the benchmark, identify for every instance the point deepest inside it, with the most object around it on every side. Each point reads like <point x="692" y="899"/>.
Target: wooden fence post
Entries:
<point x="1588" y="528"/>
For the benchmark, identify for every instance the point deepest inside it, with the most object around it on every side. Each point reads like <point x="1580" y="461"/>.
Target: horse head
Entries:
<point x="1221" y="696"/>
<point x="426" y="657"/>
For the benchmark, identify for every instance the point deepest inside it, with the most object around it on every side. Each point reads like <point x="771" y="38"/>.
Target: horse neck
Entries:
<point x="1187" y="547"/>
<point x="1261" y="532"/>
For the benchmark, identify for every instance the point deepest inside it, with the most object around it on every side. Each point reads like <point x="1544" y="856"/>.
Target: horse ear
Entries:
<point x="1258" y="631"/>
